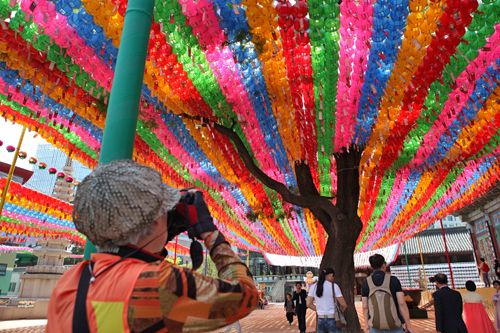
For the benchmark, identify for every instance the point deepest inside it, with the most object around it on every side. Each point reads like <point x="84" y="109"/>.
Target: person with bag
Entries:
<point x="384" y="306"/>
<point x="289" y="308"/>
<point x="126" y="210"/>
<point x="330" y="303"/>
<point x="483" y="271"/>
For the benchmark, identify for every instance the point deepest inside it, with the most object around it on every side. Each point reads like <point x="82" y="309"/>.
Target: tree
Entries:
<point x="340" y="220"/>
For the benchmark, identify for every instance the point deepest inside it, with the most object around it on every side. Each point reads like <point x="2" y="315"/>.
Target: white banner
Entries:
<point x="390" y="254"/>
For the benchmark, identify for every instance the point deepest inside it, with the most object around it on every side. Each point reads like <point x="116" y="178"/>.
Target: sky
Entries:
<point x="9" y="135"/>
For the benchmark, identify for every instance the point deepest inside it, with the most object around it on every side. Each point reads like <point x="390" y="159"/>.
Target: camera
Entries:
<point x="177" y="219"/>
<point x="178" y="222"/>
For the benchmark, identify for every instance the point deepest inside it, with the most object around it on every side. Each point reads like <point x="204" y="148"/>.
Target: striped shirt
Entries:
<point x="169" y="298"/>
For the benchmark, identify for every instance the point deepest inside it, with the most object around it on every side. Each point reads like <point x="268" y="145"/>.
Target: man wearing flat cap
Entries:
<point x="127" y="286"/>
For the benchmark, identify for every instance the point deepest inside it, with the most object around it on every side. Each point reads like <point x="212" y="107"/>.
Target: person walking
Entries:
<point x="299" y="297"/>
<point x="496" y="300"/>
<point x="322" y="293"/>
<point x="384" y="306"/>
<point x="483" y="271"/>
<point x="289" y="308"/>
<point x="236" y="326"/>
<point x="475" y="316"/>
<point x="497" y="268"/>
<point x="448" y="305"/>
<point x="126" y="210"/>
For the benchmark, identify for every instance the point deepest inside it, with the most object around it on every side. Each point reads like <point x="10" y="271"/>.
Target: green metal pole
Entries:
<point x="123" y="111"/>
<point x="407" y="267"/>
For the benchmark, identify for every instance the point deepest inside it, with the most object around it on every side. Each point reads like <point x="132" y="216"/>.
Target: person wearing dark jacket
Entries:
<point x="289" y="308"/>
<point x="299" y="297"/>
<point x="448" y="305"/>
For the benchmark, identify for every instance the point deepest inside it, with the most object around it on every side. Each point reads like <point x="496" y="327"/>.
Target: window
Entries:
<point x="3" y="269"/>
<point x="12" y="286"/>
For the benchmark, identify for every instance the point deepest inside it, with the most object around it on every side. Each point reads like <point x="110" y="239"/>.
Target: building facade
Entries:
<point x="449" y="222"/>
<point x="483" y="219"/>
<point x="44" y="182"/>
<point x="20" y="175"/>
<point x="7" y="263"/>
<point x="408" y="265"/>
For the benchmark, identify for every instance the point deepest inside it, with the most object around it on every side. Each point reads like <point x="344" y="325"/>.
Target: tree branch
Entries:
<point x="306" y="201"/>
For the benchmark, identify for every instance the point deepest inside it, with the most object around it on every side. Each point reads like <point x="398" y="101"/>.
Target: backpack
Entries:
<point x="381" y="306"/>
<point x="486" y="268"/>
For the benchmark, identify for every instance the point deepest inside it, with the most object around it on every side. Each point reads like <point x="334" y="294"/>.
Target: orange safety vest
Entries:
<point x="107" y="299"/>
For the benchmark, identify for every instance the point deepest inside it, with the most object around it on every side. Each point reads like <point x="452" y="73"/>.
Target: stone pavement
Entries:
<point x="270" y="320"/>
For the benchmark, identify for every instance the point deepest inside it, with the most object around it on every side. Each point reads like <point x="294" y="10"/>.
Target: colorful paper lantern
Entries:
<point x="32" y="160"/>
<point x="22" y="155"/>
<point x="42" y="165"/>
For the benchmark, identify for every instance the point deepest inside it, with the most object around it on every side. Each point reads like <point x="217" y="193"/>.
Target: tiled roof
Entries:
<point x="431" y="241"/>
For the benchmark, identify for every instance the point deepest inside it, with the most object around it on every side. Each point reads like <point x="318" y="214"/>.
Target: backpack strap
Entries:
<point x="387" y="281"/>
<point x="371" y="285"/>
<point x="80" y="321"/>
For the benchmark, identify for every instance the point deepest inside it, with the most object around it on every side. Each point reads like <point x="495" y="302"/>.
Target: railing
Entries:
<point x="269" y="278"/>
<point x="39" y="269"/>
<point x="26" y="264"/>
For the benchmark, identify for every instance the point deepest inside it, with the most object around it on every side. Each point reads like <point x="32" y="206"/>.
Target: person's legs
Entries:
<point x="289" y="317"/>
<point x="486" y="280"/>
<point x="332" y="326"/>
<point x="237" y="326"/>
<point x="301" y="317"/>
<point x="321" y="325"/>
<point x="228" y="328"/>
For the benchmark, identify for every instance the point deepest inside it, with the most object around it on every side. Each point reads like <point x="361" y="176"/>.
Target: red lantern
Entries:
<point x="10" y="149"/>
<point x="52" y="171"/>
<point x="60" y="175"/>
<point x="69" y="180"/>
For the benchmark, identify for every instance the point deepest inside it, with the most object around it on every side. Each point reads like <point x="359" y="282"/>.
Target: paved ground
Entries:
<point x="273" y="320"/>
<point x="270" y="320"/>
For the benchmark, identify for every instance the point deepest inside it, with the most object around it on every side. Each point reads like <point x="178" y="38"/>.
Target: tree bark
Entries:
<point x="341" y="221"/>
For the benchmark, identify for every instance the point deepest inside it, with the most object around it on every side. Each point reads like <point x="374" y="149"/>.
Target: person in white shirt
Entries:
<point x="322" y="294"/>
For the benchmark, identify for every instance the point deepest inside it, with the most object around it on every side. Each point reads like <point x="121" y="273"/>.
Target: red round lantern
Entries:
<point x="60" y="175"/>
<point x="10" y="149"/>
<point x="52" y="171"/>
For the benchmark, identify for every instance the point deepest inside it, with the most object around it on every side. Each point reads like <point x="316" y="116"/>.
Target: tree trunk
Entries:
<point x="339" y="256"/>
<point x="341" y="221"/>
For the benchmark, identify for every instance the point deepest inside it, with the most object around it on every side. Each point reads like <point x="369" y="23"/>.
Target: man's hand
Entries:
<point x="196" y="212"/>
<point x="409" y="329"/>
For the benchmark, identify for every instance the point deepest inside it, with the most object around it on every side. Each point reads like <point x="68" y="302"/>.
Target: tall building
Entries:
<point x="449" y="222"/>
<point x="44" y="182"/>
